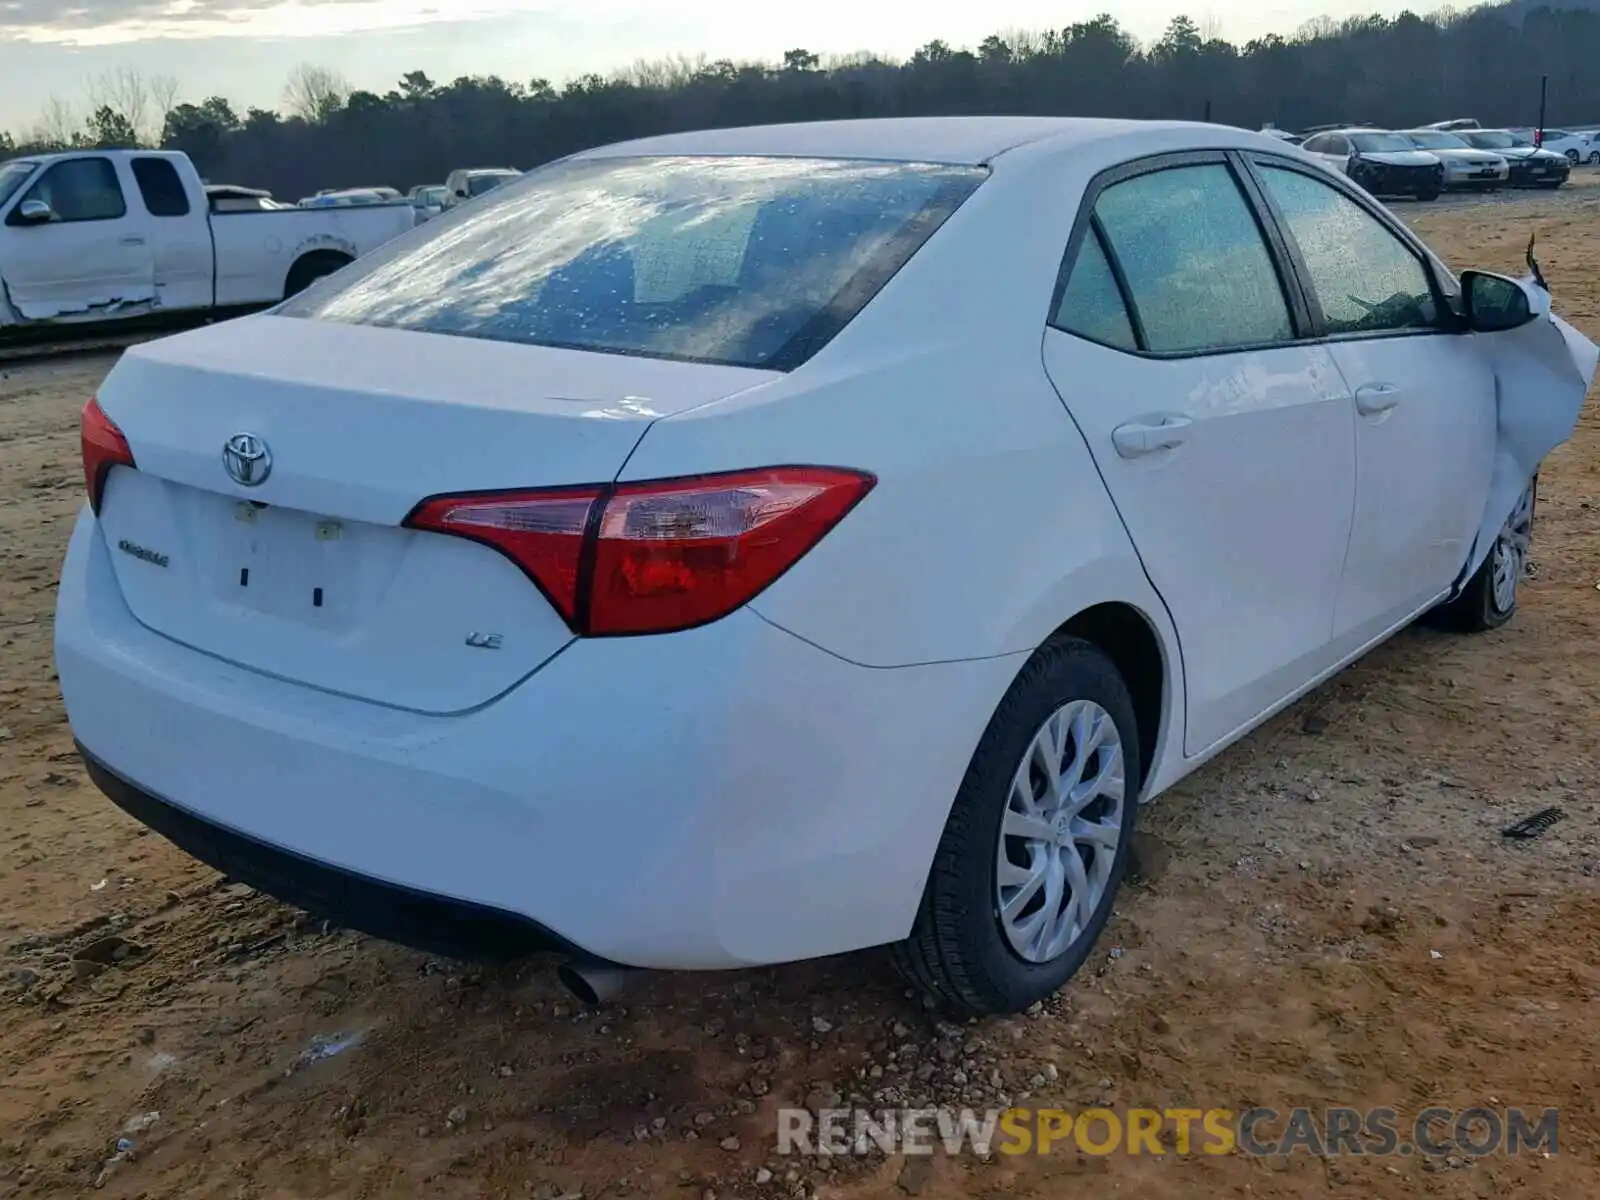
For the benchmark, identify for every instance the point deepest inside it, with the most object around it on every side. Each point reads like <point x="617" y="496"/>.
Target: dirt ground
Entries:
<point x="1337" y="921"/>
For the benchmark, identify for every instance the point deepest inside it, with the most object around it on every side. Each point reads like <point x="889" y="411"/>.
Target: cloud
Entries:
<point x="108" y="22"/>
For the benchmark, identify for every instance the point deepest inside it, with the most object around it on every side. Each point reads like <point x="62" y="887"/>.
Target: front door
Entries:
<point x="1425" y="406"/>
<point x="1228" y="450"/>
<point x="92" y="257"/>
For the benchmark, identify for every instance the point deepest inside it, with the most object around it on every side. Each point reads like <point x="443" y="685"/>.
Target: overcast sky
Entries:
<point x="244" y="49"/>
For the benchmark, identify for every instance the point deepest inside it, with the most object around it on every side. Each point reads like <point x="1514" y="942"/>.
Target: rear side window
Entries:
<point x="160" y="187"/>
<point x="80" y="189"/>
<point x="746" y="261"/>
<point x="1091" y="303"/>
<point x="1197" y="267"/>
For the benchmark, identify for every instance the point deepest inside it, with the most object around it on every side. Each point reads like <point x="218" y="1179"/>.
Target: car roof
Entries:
<point x="966" y="141"/>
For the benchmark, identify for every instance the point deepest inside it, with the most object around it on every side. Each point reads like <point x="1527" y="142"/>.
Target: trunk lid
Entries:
<point x="307" y="575"/>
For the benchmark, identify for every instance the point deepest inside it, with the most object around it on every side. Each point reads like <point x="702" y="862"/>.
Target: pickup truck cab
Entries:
<point x="100" y="236"/>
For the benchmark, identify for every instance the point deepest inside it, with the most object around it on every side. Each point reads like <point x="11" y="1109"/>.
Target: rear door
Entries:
<point x="1227" y="448"/>
<point x="91" y="258"/>
<point x="1424" y="403"/>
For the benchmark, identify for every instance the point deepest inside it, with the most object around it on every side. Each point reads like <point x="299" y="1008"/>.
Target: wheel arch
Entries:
<point x="305" y="268"/>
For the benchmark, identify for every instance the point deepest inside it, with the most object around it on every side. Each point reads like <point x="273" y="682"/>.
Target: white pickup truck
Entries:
<point x="99" y="236"/>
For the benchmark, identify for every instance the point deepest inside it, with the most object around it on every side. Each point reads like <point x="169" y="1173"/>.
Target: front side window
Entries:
<point x="1365" y="278"/>
<point x="13" y="175"/>
<point x="160" y="187"/>
<point x="1197" y="267"/>
<point x="81" y="189"/>
<point x="745" y="261"/>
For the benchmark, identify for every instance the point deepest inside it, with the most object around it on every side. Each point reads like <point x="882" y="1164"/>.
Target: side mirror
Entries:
<point x="461" y="193"/>
<point x="35" y="212"/>
<point x="1496" y="303"/>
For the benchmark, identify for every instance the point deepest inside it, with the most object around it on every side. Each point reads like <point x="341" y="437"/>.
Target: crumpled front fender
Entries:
<point x="1542" y="372"/>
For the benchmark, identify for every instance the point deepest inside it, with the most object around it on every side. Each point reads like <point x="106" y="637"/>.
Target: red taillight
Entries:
<point x="654" y="557"/>
<point x="104" y="447"/>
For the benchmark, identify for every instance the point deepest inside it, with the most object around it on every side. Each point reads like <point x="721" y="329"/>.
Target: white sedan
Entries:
<point x="756" y="544"/>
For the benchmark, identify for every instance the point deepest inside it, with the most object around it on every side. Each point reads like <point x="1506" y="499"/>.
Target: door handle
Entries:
<point x="133" y="239"/>
<point x="1138" y="438"/>
<point x="1375" y="398"/>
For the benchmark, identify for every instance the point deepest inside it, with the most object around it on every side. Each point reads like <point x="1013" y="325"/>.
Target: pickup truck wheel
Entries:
<point x="312" y="267"/>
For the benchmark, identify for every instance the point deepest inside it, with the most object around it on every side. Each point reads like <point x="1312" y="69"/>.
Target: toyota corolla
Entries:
<point x="750" y="545"/>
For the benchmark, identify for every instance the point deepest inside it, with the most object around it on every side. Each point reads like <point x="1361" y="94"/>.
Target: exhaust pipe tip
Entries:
<point x="593" y="984"/>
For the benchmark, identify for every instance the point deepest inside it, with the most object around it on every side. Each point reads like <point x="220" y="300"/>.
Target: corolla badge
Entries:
<point x="247" y="459"/>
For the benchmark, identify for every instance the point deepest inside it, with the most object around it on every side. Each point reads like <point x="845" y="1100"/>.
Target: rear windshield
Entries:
<point x="743" y="261"/>
<point x="1380" y="143"/>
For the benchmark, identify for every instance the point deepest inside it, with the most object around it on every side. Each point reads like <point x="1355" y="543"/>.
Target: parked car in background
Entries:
<point x="107" y="235"/>
<point x="1465" y="166"/>
<point x="348" y="198"/>
<point x="1386" y="164"/>
<point x="226" y="198"/>
<point x="1283" y="135"/>
<point x="428" y="200"/>
<point x="1573" y="145"/>
<point x="1453" y="125"/>
<point x="468" y="183"/>
<point x="1530" y="166"/>
<point x="625" y="565"/>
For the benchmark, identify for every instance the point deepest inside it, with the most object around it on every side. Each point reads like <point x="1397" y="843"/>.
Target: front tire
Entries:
<point x="1036" y="843"/>
<point x="1490" y="598"/>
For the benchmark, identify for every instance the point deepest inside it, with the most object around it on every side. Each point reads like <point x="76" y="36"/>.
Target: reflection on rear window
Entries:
<point x="747" y="261"/>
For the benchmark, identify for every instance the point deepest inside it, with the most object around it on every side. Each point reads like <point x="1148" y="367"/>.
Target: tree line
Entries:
<point x="1485" y="63"/>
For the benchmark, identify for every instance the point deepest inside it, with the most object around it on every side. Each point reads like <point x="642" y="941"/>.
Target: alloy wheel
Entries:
<point x="1509" y="558"/>
<point x="1060" y="832"/>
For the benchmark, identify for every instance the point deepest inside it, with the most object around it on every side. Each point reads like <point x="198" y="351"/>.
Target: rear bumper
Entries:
<point x="722" y="797"/>
<point x="432" y="923"/>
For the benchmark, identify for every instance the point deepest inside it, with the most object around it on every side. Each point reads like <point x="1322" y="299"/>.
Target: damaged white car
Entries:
<point x="101" y="236"/>
<point x="756" y="544"/>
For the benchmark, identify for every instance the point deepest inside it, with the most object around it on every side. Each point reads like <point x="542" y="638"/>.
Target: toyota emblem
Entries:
<point x="247" y="459"/>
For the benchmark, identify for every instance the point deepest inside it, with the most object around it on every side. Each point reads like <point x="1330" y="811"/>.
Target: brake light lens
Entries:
<point x="660" y="556"/>
<point x="104" y="447"/>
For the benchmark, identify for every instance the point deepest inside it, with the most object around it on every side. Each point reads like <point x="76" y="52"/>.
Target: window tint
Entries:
<point x="1091" y="304"/>
<point x="161" y="188"/>
<point x="1366" y="278"/>
<point x="81" y="189"/>
<point x="1314" y="144"/>
<point x="1197" y="268"/>
<point x="747" y="261"/>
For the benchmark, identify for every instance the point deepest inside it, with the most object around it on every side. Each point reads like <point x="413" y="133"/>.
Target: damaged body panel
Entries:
<point x="1542" y="374"/>
<point x="97" y="237"/>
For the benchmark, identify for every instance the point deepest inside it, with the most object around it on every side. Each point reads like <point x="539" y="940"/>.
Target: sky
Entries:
<point x="245" y="49"/>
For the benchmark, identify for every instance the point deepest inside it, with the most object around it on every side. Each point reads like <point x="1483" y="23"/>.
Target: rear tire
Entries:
<point x="1490" y="598"/>
<point x="1426" y="197"/>
<point x="312" y="267"/>
<point x="981" y="945"/>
